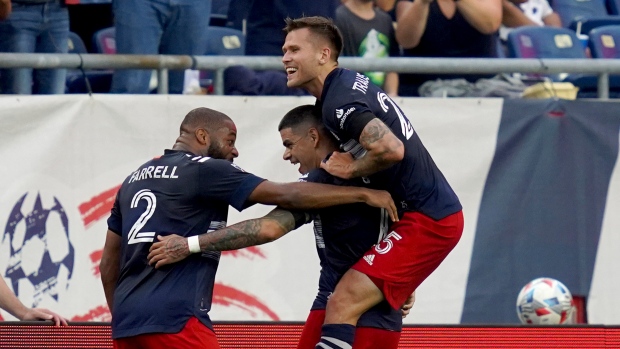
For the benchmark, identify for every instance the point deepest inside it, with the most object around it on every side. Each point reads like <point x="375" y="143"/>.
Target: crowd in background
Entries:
<point x="371" y="28"/>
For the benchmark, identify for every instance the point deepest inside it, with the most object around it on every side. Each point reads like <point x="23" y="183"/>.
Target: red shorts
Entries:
<point x="415" y="247"/>
<point x="193" y="335"/>
<point x="365" y="337"/>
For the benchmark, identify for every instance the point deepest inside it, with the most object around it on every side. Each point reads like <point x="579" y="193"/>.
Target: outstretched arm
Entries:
<point x="252" y="232"/>
<point x="383" y="149"/>
<point x="310" y="196"/>
<point x="10" y="303"/>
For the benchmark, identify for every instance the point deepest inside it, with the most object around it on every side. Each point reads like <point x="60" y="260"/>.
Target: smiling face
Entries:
<point x="300" y="148"/>
<point x="305" y="55"/>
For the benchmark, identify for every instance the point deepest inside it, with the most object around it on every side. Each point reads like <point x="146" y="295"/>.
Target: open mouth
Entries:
<point x="290" y="71"/>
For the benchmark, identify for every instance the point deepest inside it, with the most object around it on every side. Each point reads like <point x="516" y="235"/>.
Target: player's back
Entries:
<point x="415" y="182"/>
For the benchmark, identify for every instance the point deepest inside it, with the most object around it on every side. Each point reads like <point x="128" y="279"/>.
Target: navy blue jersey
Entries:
<point x="348" y="102"/>
<point x="343" y="234"/>
<point x="178" y="193"/>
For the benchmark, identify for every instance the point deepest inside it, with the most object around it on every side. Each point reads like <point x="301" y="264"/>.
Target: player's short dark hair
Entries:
<point x="321" y="26"/>
<point x="305" y="115"/>
<point x="209" y="119"/>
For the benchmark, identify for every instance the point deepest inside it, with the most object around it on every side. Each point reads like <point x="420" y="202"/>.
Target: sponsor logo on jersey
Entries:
<point x="369" y="258"/>
<point x="342" y="115"/>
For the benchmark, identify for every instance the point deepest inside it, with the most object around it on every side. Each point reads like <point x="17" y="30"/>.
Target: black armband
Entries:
<point x="301" y="218"/>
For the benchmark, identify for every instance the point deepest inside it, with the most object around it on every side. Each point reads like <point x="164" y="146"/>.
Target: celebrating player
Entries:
<point x="343" y="233"/>
<point x="381" y="146"/>
<point x="187" y="191"/>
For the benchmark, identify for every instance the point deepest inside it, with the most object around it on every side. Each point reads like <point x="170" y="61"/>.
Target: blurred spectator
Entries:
<point x="517" y="13"/>
<point x="158" y="27"/>
<point x="34" y="26"/>
<point x="445" y="28"/>
<point x="265" y="38"/>
<point x="368" y="32"/>
<point x="385" y="5"/>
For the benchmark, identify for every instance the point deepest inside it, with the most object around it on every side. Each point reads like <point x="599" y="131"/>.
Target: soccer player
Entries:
<point x="187" y="191"/>
<point x="343" y="233"/>
<point x="380" y="145"/>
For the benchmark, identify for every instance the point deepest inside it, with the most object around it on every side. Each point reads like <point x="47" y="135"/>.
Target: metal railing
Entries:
<point x="163" y="63"/>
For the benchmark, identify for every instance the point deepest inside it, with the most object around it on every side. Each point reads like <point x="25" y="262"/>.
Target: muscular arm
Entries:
<point x="252" y="232"/>
<point x="484" y="15"/>
<point x="306" y="196"/>
<point x="411" y="22"/>
<point x="110" y="265"/>
<point x="383" y="149"/>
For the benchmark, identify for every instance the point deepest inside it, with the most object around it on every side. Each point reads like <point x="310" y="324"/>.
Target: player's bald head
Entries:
<point x="209" y="119"/>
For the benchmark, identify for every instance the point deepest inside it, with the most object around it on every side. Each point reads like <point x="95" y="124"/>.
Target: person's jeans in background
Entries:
<point x="35" y="28"/>
<point x="175" y="27"/>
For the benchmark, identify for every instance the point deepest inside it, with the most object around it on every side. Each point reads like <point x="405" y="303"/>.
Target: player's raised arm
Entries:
<point x="383" y="149"/>
<point x="309" y="196"/>
<point x="252" y="232"/>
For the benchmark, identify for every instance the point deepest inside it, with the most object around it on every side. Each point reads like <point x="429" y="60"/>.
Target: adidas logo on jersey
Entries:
<point x="369" y="258"/>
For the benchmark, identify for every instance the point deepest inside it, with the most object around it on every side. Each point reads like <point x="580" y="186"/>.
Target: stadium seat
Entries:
<point x="98" y="80"/>
<point x="219" y="13"/>
<point x="104" y="41"/>
<point x="613" y="7"/>
<point x="571" y="11"/>
<point x="604" y="42"/>
<point x="550" y="42"/>
<point x="544" y="42"/>
<point x="223" y="41"/>
<point x="586" y="24"/>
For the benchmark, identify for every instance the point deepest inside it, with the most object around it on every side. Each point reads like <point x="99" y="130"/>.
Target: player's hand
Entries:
<point x="44" y="314"/>
<point x="170" y="249"/>
<point x="339" y="165"/>
<point x="382" y="199"/>
<point x="406" y="308"/>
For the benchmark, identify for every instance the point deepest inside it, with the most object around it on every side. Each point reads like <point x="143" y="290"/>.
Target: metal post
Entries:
<point x="603" y="86"/>
<point x="162" y="81"/>
<point x="219" y="82"/>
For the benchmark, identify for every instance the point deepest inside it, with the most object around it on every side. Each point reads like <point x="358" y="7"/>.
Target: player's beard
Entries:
<point x="215" y="151"/>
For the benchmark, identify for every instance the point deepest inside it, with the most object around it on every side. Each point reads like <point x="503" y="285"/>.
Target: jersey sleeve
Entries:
<point x="115" y="221"/>
<point x="225" y="181"/>
<point x="347" y="114"/>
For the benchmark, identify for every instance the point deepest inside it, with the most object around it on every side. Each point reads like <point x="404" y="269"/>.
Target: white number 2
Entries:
<point x="151" y="201"/>
<point x="405" y="125"/>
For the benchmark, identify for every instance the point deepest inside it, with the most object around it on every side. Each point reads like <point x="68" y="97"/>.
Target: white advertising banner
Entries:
<point x="63" y="158"/>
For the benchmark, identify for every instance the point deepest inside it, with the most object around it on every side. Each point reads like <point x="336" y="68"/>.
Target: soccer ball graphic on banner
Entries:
<point x="545" y="301"/>
<point x="41" y="254"/>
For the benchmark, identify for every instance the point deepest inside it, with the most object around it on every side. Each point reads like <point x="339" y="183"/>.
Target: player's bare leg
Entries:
<point x="353" y="296"/>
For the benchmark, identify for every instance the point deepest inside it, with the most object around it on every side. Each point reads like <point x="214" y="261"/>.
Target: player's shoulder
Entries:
<point x="317" y="175"/>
